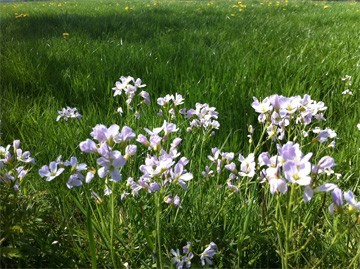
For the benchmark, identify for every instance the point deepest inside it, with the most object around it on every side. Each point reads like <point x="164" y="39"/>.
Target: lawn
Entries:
<point x="203" y="179"/>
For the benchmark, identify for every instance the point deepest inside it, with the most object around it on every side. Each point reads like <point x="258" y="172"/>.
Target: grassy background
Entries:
<point x="218" y="52"/>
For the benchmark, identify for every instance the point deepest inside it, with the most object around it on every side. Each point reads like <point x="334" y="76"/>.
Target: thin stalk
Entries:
<point x="158" y="231"/>
<point x="112" y="209"/>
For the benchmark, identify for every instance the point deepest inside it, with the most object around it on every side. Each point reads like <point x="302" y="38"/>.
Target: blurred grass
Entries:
<point x="208" y="51"/>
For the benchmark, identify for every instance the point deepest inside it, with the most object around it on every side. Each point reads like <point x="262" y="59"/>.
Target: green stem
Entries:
<point x="112" y="209"/>
<point x="288" y="225"/>
<point x="158" y="230"/>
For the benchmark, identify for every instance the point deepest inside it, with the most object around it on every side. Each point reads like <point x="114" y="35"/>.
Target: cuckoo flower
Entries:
<point x="51" y="171"/>
<point x="111" y="165"/>
<point x="180" y="176"/>
<point x="68" y="113"/>
<point x="208" y="254"/>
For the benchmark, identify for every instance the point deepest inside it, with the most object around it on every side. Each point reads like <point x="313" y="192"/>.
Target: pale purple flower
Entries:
<point x="327" y="187"/>
<point x="51" y="171"/>
<point x="121" y="86"/>
<point x="75" y="166"/>
<point x="176" y="142"/>
<point x="187" y="259"/>
<point x="89" y="176"/>
<point x="186" y="248"/>
<point x="177" y="259"/>
<point x="350" y="199"/>
<point x="324" y="135"/>
<point x="178" y="175"/>
<point x="232" y="186"/>
<point x="324" y="166"/>
<point x="75" y="180"/>
<point x="101" y="133"/>
<point x="146" y="97"/>
<point x="126" y="134"/>
<point x="262" y="107"/>
<point x="21" y="172"/>
<point x="178" y="99"/>
<point x="208" y="254"/>
<point x="111" y="165"/>
<point x="130" y="150"/>
<point x="207" y="172"/>
<point x="88" y="146"/>
<point x="337" y="197"/>
<point x="163" y="101"/>
<point x="247" y="167"/>
<point x="68" y="113"/>
<point x="173" y="201"/>
<point x="308" y="194"/>
<point x="298" y="172"/>
<point x="16" y="144"/>
<point x="24" y="156"/>
<point x="107" y="190"/>
<point x="169" y="127"/>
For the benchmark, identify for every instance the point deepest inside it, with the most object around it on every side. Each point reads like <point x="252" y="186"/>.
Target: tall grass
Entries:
<point x="57" y="54"/>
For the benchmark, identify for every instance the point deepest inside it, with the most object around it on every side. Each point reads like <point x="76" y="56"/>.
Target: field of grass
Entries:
<point x="222" y="53"/>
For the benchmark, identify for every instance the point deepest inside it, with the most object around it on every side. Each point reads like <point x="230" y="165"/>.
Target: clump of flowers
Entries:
<point x="163" y="167"/>
<point x="68" y="113"/>
<point x="128" y="87"/>
<point x="337" y="196"/>
<point x="185" y="259"/>
<point x="347" y="83"/>
<point x="14" y="164"/>
<point x="110" y="160"/>
<point x="279" y="113"/>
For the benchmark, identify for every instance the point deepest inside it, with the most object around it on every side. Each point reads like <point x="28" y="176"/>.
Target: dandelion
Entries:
<point x="66" y="35"/>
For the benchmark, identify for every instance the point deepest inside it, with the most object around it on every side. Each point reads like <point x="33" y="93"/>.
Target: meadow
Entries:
<point x="220" y="134"/>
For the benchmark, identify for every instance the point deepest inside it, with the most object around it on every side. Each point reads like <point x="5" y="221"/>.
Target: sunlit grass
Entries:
<point x="70" y="53"/>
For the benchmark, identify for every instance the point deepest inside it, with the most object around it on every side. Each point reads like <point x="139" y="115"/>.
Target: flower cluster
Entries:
<point x="128" y="86"/>
<point x="186" y="258"/>
<point x="204" y="116"/>
<point x="348" y="82"/>
<point x="245" y="166"/>
<point x="68" y="113"/>
<point x="280" y="113"/>
<point x="291" y="166"/>
<point x="14" y="164"/>
<point x="337" y="197"/>
<point x="76" y="178"/>
<point x="110" y="160"/>
<point x="163" y="167"/>
<point x="169" y="103"/>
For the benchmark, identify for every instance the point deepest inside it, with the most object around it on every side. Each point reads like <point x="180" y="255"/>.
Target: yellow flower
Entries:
<point x="232" y="15"/>
<point x="66" y="35"/>
<point x="325" y="6"/>
<point x="22" y="15"/>
<point x="126" y="8"/>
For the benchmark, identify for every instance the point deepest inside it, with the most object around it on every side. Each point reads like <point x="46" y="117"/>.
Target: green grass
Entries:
<point x="208" y="51"/>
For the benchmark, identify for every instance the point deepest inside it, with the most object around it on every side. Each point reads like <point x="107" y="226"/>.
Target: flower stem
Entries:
<point x="158" y="230"/>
